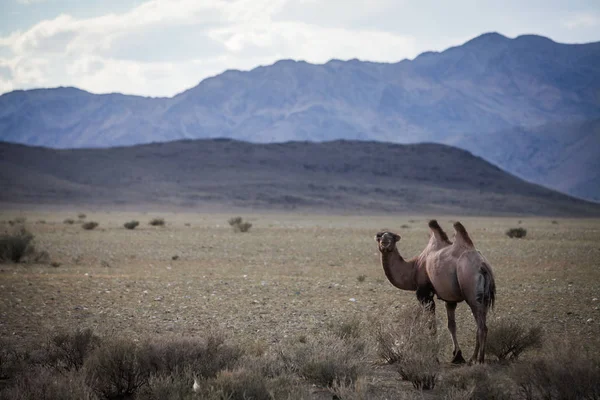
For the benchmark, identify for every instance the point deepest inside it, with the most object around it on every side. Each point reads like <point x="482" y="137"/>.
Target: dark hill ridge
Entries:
<point x="334" y="176"/>
<point x="489" y="84"/>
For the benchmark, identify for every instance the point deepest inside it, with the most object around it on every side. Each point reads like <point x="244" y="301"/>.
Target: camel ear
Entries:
<point x="396" y="237"/>
<point x="378" y="237"/>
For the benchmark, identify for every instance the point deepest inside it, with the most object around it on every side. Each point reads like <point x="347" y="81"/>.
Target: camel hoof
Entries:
<point x="458" y="358"/>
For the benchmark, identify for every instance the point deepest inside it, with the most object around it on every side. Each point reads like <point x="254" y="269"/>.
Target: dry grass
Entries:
<point x="292" y="278"/>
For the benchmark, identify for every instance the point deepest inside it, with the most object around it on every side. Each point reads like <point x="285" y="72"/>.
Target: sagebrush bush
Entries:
<point x="47" y="384"/>
<point x="562" y="372"/>
<point x="115" y="370"/>
<point x="131" y="224"/>
<point x="411" y="346"/>
<point x="361" y="278"/>
<point x="157" y="222"/>
<point x="350" y="328"/>
<point x="238" y="224"/>
<point x="516" y="232"/>
<point x="89" y="225"/>
<point x="325" y="361"/>
<point x="508" y="339"/>
<point x="205" y="357"/>
<point x="81" y="216"/>
<point x="15" y="246"/>
<point x="70" y="349"/>
<point x="478" y="382"/>
<point x="69" y="221"/>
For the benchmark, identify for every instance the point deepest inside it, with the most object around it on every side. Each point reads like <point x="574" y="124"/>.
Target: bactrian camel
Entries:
<point x="454" y="272"/>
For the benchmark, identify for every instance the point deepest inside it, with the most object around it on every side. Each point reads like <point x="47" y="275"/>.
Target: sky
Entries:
<point x="163" y="47"/>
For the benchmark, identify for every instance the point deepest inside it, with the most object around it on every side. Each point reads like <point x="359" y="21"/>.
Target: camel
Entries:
<point x="455" y="272"/>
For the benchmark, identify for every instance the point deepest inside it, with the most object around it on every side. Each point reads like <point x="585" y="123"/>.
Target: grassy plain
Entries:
<point x="290" y="276"/>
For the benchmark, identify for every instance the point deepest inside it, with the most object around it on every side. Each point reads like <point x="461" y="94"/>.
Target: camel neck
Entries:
<point x="400" y="273"/>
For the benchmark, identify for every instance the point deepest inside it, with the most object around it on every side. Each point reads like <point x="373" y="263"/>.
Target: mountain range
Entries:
<point x="519" y="103"/>
<point x="337" y="176"/>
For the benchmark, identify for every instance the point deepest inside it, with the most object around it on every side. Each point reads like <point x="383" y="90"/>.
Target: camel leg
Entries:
<point x="479" y="313"/>
<point x="425" y="297"/>
<point x="456" y="353"/>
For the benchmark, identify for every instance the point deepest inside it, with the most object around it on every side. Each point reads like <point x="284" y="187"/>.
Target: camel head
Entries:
<point x="387" y="241"/>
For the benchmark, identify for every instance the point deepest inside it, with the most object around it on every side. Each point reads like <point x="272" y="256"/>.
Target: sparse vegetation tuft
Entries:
<point x="563" y="372"/>
<point x="157" y="222"/>
<point x="69" y="221"/>
<point x="70" y="349"/>
<point x="15" y="246"/>
<point x="508" y="339"/>
<point x="81" y="216"/>
<point x="516" y="233"/>
<point x="410" y="345"/>
<point x="88" y="226"/>
<point x="238" y="224"/>
<point x="131" y="224"/>
<point x="361" y="278"/>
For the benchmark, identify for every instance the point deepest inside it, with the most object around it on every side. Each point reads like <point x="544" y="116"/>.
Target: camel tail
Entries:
<point x="487" y="294"/>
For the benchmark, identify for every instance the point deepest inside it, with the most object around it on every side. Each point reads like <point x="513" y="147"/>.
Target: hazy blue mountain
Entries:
<point x="490" y="84"/>
<point x="562" y="156"/>
<point x="338" y="176"/>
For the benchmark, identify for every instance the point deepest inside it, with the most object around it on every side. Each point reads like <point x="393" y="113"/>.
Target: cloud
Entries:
<point x="163" y="47"/>
<point x="582" y="20"/>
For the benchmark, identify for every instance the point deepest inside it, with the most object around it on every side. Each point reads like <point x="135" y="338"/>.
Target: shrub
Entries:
<point x="157" y="222"/>
<point x="516" y="233"/>
<point x="347" y="329"/>
<point x="574" y="376"/>
<point x="240" y="384"/>
<point x="88" y="226"/>
<point x="71" y="349"/>
<point x="115" y="370"/>
<point x="411" y="347"/>
<point x="239" y="225"/>
<point x="17" y="221"/>
<point x="326" y="361"/>
<point x="81" y="216"/>
<point x="507" y="339"/>
<point x="14" y="246"/>
<point x="131" y="224"/>
<point x="478" y="382"/>
<point x="48" y="384"/>
<point x="361" y="278"/>
<point x="69" y="221"/>
<point x="205" y="357"/>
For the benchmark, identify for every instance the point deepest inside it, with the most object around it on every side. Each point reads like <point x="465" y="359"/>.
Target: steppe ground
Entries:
<point x="290" y="275"/>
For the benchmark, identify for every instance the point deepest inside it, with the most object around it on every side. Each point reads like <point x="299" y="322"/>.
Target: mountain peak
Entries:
<point x="490" y="38"/>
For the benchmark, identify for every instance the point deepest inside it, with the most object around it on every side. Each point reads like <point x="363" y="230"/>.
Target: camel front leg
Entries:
<point x="425" y="297"/>
<point x="456" y="353"/>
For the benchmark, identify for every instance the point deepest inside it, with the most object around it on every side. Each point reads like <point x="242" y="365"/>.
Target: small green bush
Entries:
<point x="157" y="222"/>
<point x="238" y="224"/>
<point x="14" y="246"/>
<point x="88" y="226"/>
<point x="516" y="233"/>
<point x="131" y="224"/>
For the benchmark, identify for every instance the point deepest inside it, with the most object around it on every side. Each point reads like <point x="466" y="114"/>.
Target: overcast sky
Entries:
<point x="162" y="47"/>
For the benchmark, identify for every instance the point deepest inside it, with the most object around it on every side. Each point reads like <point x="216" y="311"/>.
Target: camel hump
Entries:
<point x="438" y="231"/>
<point x="461" y="232"/>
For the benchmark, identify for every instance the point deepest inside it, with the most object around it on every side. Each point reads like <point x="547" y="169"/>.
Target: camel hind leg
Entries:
<point x="480" y="315"/>
<point x="456" y="353"/>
